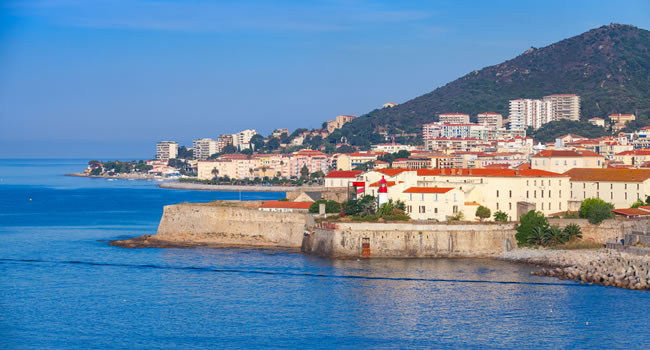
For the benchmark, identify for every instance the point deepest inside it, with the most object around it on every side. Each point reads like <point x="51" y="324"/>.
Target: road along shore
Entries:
<point x="236" y="188"/>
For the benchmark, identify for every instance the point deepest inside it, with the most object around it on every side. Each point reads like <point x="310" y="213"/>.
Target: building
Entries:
<point x="512" y="191"/>
<point x="492" y="120"/>
<point x="635" y="158"/>
<point x="278" y="132"/>
<point x="564" y="106"/>
<point x="349" y="161"/>
<point x="166" y="150"/>
<point x="242" y="139"/>
<point x="597" y="122"/>
<point x="391" y="147"/>
<point x="338" y="122"/>
<point x="204" y="148"/>
<point x="390" y="105"/>
<point x="560" y="161"/>
<point x="338" y="178"/>
<point x="620" y="120"/>
<point x="454" y="118"/>
<point x="621" y="187"/>
<point x="526" y="113"/>
<point x="224" y="140"/>
<point x="313" y="160"/>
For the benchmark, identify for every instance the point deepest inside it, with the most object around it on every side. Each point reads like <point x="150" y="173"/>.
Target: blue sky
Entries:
<point x="100" y="79"/>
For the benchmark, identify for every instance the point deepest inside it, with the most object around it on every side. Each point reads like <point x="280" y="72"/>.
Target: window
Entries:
<point x="455" y="209"/>
<point x="510" y="193"/>
<point x="584" y="185"/>
<point x="527" y="183"/>
<point x="574" y="164"/>
<point x="597" y="185"/>
<point x="560" y="194"/>
<point x="625" y="195"/>
<point x="542" y="182"/>
<point x="564" y="164"/>
<point x="557" y="162"/>
<point x="422" y="196"/>
<point x="422" y="209"/>
<point x="559" y="205"/>
<point x="497" y="206"/>
<point x="435" y="210"/>
<point x="510" y="205"/>
<point x="637" y="187"/>
<point x="549" y="193"/>
<point x="435" y="197"/>
<point x="584" y="194"/>
<point x="527" y="194"/>
<point x="549" y="206"/>
<point x="409" y="209"/>
<point x="611" y="186"/>
<point x="611" y="195"/>
<point x="626" y="186"/>
<point x="534" y="182"/>
<point x="534" y="194"/>
<point x="410" y="196"/>
<point x="597" y="194"/>
<point x="454" y="197"/>
<point x="497" y="193"/>
<point x="542" y="205"/>
<point x="541" y="193"/>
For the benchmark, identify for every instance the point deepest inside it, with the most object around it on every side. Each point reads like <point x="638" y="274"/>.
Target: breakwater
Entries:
<point x="609" y="269"/>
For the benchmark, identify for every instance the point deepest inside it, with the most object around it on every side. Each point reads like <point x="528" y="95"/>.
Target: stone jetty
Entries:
<point x="615" y="269"/>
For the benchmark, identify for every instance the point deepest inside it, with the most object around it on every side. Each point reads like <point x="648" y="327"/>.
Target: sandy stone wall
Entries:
<point x="410" y="239"/>
<point x="227" y="223"/>
<point x="608" y="229"/>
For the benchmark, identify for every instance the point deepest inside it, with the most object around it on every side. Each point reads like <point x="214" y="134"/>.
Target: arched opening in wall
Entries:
<point x="365" y="247"/>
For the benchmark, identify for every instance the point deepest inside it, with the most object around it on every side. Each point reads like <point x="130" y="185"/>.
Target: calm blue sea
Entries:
<point x="63" y="286"/>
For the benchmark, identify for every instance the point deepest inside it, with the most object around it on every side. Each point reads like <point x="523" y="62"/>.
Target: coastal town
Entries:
<point x="456" y="165"/>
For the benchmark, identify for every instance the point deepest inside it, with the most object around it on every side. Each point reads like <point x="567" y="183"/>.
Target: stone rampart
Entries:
<point x="227" y="223"/>
<point x="614" y="229"/>
<point x="409" y="239"/>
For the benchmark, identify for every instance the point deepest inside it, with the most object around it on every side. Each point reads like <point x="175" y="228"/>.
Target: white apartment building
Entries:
<point x="166" y="150"/>
<point x="492" y="120"/>
<point x="454" y="118"/>
<point x="565" y="106"/>
<point x="242" y="139"/>
<point x="526" y="113"/>
<point x="204" y="148"/>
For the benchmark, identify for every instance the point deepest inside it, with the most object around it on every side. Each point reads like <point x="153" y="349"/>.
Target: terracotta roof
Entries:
<point x="343" y="174"/>
<point x="388" y="184"/>
<point x="635" y="152"/>
<point x="286" y="205"/>
<point x="393" y="172"/>
<point x="609" y="174"/>
<point x="471" y="203"/>
<point x="556" y="153"/>
<point x="645" y="207"/>
<point x="429" y="190"/>
<point x="631" y="212"/>
<point x="488" y="172"/>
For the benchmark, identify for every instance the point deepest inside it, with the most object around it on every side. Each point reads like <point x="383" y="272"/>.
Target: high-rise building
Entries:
<point x="224" y="140"/>
<point x="454" y="118"/>
<point x="204" y="148"/>
<point x="526" y="113"/>
<point x="565" y="106"/>
<point x="494" y="120"/>
<point x="166" y="150"/>
<point x="242" y="139"/>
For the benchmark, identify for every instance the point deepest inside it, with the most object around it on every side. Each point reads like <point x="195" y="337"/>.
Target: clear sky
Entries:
<point x="98" y="79"/>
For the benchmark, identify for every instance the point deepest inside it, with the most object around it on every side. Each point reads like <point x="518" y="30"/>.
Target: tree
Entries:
<point x="96" y="171"/>
<point x="331" y="207"/>
<point x="483" y="212"/>
<point x="637" y="204"/>
<point x="229" y="148"/>
<point x="572" y="231"/>
<point x="500" y="216"/>
<point x="273" y="144"/>
<point x="346" y="149"/>
<point x="596" y="210"/>
<point x="258" y="141"/>
<point x="184" y="153"/>
<point x="304" y="171"/>
<point x="215" y="172"/>
<point x="527" y="223"/>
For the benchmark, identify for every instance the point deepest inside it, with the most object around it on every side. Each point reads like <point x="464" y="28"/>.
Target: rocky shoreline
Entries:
<point x="603" y="266"/>
<point x="149" y="241"/>
<point x="116" y="176"/>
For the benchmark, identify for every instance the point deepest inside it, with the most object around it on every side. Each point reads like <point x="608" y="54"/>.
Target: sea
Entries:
<point x="62" y="286"/>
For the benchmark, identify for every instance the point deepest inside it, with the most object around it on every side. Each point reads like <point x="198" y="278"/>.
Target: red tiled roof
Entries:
<point x="343" y="174"/>
<point x="286" y="205"/>
<point x="631" y="212"/>
<point x="488" y="172"/>
<point x="557" y="153"/>
<point x="388" y="184"/>
<point x="609" y="174"/>
<point x="635" y="152"/>
<point x="429" y="190"/>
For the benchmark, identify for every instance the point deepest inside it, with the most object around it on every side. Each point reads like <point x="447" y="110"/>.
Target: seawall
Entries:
<point x="608" y="229"/>
<point x="409" y="239"/>
<point x="231" y="224"/>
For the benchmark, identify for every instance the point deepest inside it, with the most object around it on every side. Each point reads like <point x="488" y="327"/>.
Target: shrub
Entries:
<point x="572" y="231"/>
<point x="286" y="200"/>
<point x="396" y="217"/>
<point x="596" y="210"/>
<point x="555" y="236"/>
<point x="483" y="212"/>
<point x="391" y="208"/>
<point x="331" y="207"/>
<point x="459" y="216"/>
<point x="527" y="223"/>
<point x="500" y="216"/>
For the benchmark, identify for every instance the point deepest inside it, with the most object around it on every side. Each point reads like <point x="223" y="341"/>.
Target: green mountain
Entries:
<point x="609" y="67"/>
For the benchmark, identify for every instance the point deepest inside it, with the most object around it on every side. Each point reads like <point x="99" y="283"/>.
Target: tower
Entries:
<point x="382" y="196"/>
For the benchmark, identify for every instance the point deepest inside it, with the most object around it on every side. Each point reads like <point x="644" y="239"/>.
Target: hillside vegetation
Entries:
<point x="609" y="67"/>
